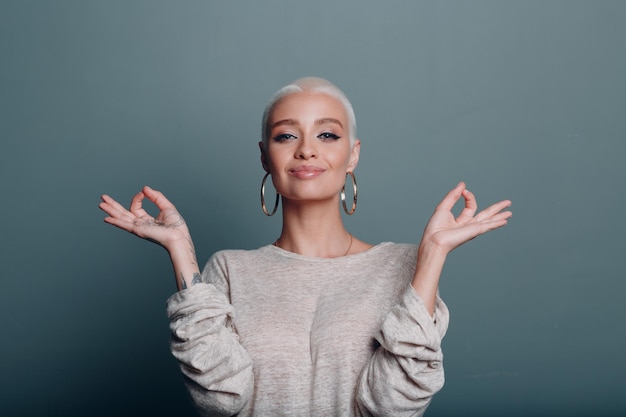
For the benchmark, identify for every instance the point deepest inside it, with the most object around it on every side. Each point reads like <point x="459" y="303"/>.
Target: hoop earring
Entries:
<point x="267" y="213"/>
<point x="343" y="195"/>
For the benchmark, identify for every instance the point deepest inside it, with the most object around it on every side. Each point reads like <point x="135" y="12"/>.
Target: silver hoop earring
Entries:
<point x="343" y="195"/>
<point x="267" y="213"/>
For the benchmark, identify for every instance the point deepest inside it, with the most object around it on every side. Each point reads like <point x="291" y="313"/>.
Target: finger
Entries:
<point x="470" y="207"/>
<point x="451" y="198"/>
<point x="108" y="209"/>
<point x="503" y="215"/>
<point x="490" y="225"/>
<point x="112" y="202"/>
<point x="122" y="219"/>
<point x="492" y="210"/>
<point x="135" y="205"/>
<point x="123" y="224"/>
<point x="474" y="230"/>
<point x="114" y="209"/>
<point x="158" y="199"/>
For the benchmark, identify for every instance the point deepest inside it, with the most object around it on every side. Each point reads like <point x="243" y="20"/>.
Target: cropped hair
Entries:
<point x="315" y="85"/>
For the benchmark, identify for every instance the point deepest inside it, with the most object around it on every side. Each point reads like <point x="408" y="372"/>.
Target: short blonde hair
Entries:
<point x="310" y="84"/>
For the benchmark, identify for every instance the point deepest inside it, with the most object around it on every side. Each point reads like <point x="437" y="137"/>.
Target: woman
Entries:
<point x="318" y="323"/>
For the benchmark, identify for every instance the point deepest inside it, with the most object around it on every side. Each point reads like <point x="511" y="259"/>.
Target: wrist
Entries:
<point x="432" y="251"/>
<point x="178" y="242"/>
<point x="430" y="261"/>
<point x="182" y="251"/>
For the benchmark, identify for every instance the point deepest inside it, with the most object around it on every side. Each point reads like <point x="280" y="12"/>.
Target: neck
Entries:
<point x="314" y="229"/>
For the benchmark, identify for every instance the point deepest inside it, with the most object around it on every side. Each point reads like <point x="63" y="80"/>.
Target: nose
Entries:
<point x="306" y="148"/>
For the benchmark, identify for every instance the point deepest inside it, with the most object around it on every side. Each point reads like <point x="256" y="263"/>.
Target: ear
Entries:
<point x="264" y="159"/>
<point x="354" y="155"/>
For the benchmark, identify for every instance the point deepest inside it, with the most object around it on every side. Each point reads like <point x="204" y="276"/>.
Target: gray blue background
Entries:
<point x="523" y="100"/>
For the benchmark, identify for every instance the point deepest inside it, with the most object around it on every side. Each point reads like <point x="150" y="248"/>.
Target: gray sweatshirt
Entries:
<point x="273" y="333"/>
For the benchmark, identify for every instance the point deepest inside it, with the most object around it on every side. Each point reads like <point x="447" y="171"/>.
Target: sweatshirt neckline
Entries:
<point x="293" y="255"/>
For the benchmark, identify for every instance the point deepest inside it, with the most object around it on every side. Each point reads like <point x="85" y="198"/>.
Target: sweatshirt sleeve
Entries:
<point x="406" y="370"/>
<point x="216" y="368"/>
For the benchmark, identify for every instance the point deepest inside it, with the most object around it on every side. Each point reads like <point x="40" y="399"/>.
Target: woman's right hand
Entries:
<point x="167" y="229"/>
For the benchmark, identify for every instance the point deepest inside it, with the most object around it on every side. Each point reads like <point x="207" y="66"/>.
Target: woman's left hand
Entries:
<point x="445" y="232"/>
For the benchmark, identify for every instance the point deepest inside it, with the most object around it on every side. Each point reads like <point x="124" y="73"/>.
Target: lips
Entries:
<point x="306" y="171"/>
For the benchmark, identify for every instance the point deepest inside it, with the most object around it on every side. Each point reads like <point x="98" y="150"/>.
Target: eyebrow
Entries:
<point x="328" y="120"/>
<point x="285" y="122"/>
<point x="293" y="122"/>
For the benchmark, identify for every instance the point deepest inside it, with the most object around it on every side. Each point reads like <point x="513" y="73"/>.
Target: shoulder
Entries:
<point x="385" y="259"/>
<point x="390" y="251"/>
<point x="233" y="257"/>
<point x="385" y="269"/>
<point x="389" y="259"/>
<point x="385" y="253"/>
<point x="224" y="263"/>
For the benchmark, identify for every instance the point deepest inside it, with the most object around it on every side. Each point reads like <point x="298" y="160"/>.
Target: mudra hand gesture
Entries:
<point x="167" y="229"/>
<point x="446" y="232"/>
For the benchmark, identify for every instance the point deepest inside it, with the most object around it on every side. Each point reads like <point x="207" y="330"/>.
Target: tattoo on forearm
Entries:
<point x="197" y="279"/>
<point x="192" y="249"/>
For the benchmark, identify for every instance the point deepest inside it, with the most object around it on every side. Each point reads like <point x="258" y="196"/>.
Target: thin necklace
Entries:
<point x="350" y="245"/>
<point x="347" y="251"/>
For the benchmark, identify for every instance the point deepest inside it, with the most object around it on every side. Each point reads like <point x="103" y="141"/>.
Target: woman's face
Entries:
<point x="308" y="151"/>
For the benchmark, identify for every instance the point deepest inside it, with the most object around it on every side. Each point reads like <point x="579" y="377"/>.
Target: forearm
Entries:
<point x="430" y="261"/>
<point x="218" y="370"/>
<point x="407" y="369"/>
<point x="184" y="262"/>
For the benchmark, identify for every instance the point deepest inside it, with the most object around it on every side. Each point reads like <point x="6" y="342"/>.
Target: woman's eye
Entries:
<point x="328" y="135"/>
<point x="284" y="137"/>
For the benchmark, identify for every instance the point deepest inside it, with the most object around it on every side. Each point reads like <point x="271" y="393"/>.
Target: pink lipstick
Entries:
<point x="306" y="171"/>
